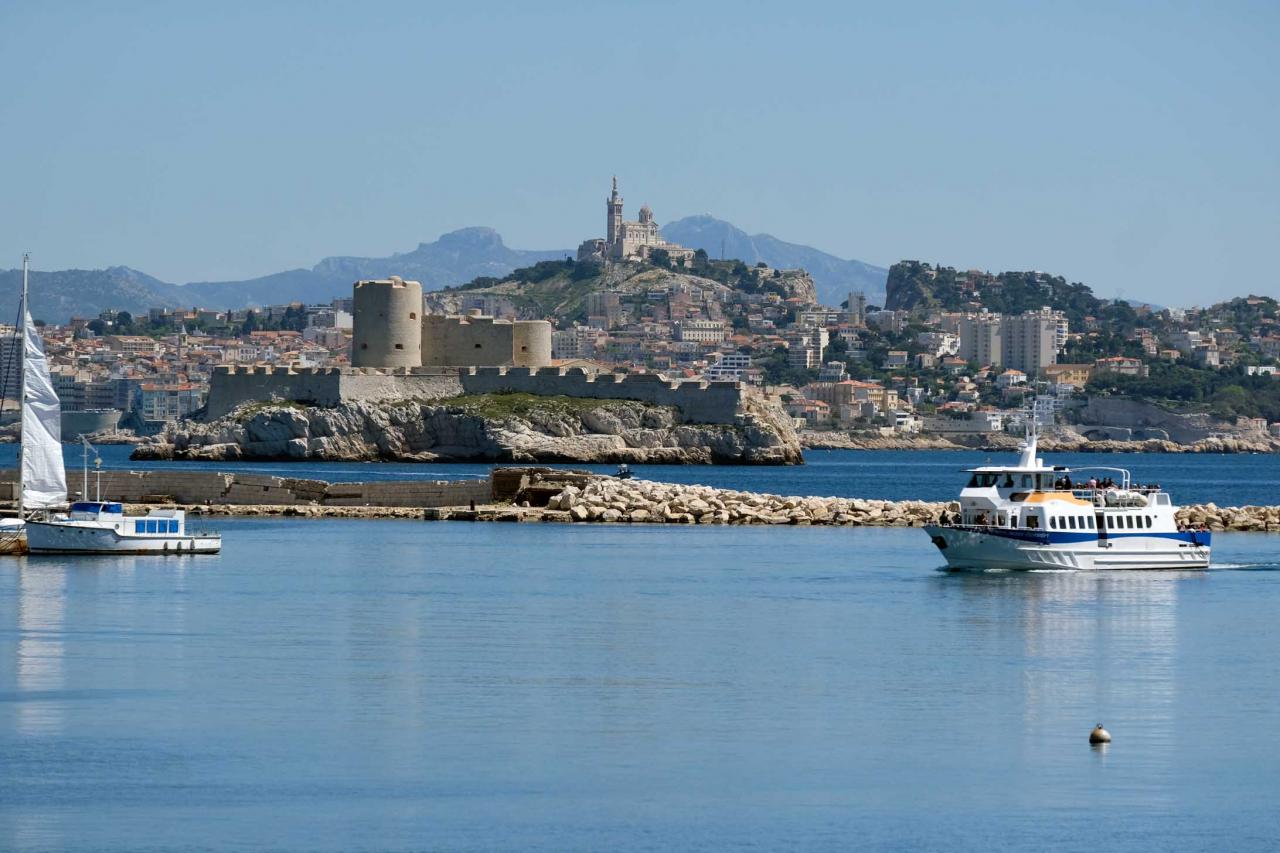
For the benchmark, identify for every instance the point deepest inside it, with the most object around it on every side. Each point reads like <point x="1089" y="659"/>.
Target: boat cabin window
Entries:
<point x="1032" y="521"/>
<point x="95" y="506"/>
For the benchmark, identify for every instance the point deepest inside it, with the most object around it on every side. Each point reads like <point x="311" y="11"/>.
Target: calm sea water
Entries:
<point x="1227" y="480"/>
<point x="381" y="685"/>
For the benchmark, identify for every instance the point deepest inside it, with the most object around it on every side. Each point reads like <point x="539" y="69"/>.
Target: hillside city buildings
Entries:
<point x="851" y="366"/>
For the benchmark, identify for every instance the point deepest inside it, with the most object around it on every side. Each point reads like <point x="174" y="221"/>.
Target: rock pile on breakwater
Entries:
<point x="613" y="500"/>
<point x="1237" y="518"/>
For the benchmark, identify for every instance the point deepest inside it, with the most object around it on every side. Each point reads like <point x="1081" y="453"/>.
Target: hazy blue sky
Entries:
<point x="1135" y="147"/>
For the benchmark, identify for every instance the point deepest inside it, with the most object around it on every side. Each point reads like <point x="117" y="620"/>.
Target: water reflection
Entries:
<point x="1092" y="643"/>
<point x="40" y="651"/>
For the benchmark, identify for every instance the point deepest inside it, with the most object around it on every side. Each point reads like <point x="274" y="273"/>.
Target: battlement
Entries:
<point x="699" y="400"/>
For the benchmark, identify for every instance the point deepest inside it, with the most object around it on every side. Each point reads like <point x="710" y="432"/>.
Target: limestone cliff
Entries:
<point x="484" y="428"/>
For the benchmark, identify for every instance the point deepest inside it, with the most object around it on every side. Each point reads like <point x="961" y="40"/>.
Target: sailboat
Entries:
<point x="90" y="527"/>
<point x="43" y="477"/>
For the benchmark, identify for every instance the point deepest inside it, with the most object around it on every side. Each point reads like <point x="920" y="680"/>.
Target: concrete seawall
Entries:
<point x="195" y="488"/>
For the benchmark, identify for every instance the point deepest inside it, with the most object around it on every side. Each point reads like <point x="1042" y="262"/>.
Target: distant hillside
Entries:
<point x="913" y="284"/>
<point x="455" y="258"/>
<point x="558" y="290"/>
<point x="56" y="296"/>
<point x="834" y="276"/>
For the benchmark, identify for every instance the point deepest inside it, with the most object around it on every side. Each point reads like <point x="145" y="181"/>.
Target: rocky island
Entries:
<point x="500" y="427"/>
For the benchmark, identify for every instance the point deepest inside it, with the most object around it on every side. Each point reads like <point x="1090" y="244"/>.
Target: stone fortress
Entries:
<point x="390" y="329"/>
<point x="629" y="241"/>
<point x="399" y="352"/>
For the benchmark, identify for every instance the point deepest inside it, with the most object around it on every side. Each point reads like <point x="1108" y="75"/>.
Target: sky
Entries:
<point x="1131" y="146"/>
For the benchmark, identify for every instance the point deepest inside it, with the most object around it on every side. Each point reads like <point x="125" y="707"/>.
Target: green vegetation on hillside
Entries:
<point x="559" y="288"/>
<point x="1224" y="393"/>
<point x="913" y="284"/>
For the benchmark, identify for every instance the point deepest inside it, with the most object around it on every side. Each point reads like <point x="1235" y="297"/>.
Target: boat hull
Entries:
<point x="968" y="547"/>
<point x="46" y="538"/>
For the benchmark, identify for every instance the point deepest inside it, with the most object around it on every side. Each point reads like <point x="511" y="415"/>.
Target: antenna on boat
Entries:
<point x="1032" y="426"/>
<point x="97" y="464"/>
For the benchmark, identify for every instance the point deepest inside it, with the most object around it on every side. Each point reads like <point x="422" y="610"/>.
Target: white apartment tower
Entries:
<point x="980" y="339"/>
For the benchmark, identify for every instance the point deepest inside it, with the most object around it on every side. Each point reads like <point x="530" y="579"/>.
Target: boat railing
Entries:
<point x="1134" y="496"/>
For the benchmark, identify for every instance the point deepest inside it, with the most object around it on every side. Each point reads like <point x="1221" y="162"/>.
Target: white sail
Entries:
<point x="44" y="478"/>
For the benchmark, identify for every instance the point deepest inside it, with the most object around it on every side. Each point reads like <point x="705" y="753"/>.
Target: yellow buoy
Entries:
<point x="1099" y="735"/>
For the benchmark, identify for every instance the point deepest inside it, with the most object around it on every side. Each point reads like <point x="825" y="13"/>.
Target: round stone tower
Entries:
<point x="386" y="325"/>
<point x="531" y="343"/>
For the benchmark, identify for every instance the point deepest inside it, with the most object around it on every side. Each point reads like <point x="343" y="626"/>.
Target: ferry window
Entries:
<point x="1071" y="521"/>
<point x="139" y="526"/>
<point x="1091" y="527"/>
<point x="973" y="482"/>
<point x="1026" y="481"/>
<point x="1148" y="522"/>
<point x="1128" y="521"/>
<point x="1111" y="522"/>
<point x="152" y="526"/>
<point x="173" y="525"/>
<point x="1033" y="522"/>
<point x="1008" y="481"/>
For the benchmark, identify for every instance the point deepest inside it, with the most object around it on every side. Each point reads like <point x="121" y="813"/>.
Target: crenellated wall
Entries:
<point x="699" y="401"/>
<point x="325" y="386"/>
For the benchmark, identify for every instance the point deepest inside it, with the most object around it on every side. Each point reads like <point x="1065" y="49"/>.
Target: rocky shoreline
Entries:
<point x="483" y="428"/>
<point x="1068" y="443"/>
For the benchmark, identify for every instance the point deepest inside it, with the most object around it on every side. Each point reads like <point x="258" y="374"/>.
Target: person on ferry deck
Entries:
<point x="1093" y="482"/>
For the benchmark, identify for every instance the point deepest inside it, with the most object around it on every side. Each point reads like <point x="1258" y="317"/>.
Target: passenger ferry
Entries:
<point x="1032" y="516"/>
<point x="101" y="527"/>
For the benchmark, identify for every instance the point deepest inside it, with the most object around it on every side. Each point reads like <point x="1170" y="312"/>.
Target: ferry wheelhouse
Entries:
<point x="1033" y="516"/>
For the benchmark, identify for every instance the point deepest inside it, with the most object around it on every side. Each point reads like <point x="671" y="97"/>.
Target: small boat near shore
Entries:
<point x="1032" y="516"/>
<point x="101" y="527"/>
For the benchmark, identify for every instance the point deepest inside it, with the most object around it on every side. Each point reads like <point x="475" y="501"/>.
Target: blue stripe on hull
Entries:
<point x="1059" y="537"/>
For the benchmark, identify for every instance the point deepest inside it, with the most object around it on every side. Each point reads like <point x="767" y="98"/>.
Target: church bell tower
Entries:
<point x="613" y="227"/>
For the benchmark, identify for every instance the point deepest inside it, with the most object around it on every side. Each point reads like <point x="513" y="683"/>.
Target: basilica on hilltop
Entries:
<point x="629" y="241"/>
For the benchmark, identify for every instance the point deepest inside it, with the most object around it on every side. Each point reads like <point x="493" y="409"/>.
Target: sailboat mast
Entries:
<point x="22" y="398"/>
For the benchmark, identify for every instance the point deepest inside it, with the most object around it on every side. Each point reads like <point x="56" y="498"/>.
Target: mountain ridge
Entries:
<point x="454" y="258"/>
<point x="834" y="276"/>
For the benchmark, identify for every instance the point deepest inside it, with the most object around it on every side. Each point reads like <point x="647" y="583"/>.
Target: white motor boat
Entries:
<point x="101" y="527"/>
<point x="1032" y="516"/>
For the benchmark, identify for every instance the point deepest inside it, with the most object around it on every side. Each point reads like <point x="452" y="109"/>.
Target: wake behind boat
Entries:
<point x="1032" y="516"/>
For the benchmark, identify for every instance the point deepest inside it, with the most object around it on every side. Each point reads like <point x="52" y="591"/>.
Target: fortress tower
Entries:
<point x="386" y="328"/>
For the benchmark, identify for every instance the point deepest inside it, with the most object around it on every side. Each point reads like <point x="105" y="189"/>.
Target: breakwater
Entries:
<point x="536" y="494"/>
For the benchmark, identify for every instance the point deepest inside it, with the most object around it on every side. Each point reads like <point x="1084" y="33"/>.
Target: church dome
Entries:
<point x="646" y="214"/>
